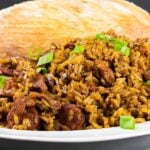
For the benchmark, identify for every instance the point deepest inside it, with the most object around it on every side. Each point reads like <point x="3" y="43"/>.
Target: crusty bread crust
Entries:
<point x="40" y="22"/>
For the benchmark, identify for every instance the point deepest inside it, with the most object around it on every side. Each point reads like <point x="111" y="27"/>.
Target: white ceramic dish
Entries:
<point x="94" y="135"/>
<point x="114" y="133"/>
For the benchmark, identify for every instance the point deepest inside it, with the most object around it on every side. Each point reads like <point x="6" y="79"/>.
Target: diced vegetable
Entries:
<point x="124" y="50"/>
<point x="42" y="70"/>
<point x="2" y="81"/>
<point x="45" y="59"/>
<point x="119" y="41"/>
<point x="79" y="49"/>
<point x="147" y="82"/>
<point x="104" y="37"/>
<point x="127" y="122"/>
<point x="118" y="44"/>
<point x="34" y="53"/>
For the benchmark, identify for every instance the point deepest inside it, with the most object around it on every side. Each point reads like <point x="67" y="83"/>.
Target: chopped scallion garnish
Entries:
<point x="127" y="122"/>
<point x="79" y="49"/>
<point x="45" y="59"/>
<point x="2" y="81"/>
<point x="119" y="41"/>
<point x="147" y="82"/>
<point x="42" y="70"/>
<point x="118" y="44"/>
<point x="124" y="50"/>
<point x="103" y="37"/>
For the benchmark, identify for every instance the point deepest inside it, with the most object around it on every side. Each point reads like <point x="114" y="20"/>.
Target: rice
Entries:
<point x="82" y="91"/>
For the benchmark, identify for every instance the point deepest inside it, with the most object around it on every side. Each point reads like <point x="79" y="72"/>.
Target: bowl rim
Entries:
<point x="92" y="135"/>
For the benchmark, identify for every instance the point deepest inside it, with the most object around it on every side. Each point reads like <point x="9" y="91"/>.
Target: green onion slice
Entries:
<point x="34" y="53"/>
<point x="103" y="37"/>
<point x="42" y="70"/>
<point x="45" y="59"/>
<point x="79" y="49"/>
<point x="118" y="44"/>
<point x="147" y="82"/>
<point x="124" y="50"/>
<point x="127" y="122"/>
<point x="2" y="81"/>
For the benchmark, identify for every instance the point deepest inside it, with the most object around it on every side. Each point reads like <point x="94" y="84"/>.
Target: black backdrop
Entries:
<point x="142" y="3"/>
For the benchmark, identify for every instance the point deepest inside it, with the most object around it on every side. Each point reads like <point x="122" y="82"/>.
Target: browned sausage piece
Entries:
<point x="4" y="70"/>
<point x="39" y="83"/>
<point x="33" y="116"/>
<point x="22" y="110"/>
<point x="147" y="75"/>
<point x="18" y="109"/>
<point x="55" y="104"/>
<point x="72" y="117"/>
<point x="9" y="88"/>
<point x="106" y="72"/>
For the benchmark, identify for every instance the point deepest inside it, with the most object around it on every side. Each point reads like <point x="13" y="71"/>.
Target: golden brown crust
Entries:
<point x="38" y="23"/>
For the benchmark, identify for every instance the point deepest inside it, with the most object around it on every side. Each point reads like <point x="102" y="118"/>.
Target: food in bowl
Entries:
<point x="63" y="68"/>
<point x="84" y="84"/>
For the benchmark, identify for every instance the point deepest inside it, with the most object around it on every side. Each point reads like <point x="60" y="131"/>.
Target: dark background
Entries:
<point x="138" y="143"/>
<point x="142" y="3"/>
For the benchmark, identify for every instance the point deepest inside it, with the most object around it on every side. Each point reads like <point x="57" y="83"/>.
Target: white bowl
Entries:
<point x="93" y="135"/>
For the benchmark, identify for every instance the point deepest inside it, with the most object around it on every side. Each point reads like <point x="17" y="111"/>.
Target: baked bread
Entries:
<point x="40" y="22"/>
